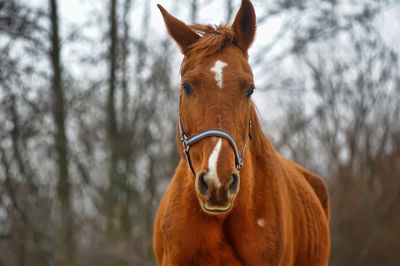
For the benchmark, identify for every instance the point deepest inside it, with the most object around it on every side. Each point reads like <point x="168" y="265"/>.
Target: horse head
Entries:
<point x="216" y="87"/>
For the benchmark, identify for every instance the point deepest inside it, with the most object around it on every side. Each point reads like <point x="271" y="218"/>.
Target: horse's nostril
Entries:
<point x="233" y="187"/>
<point x="202" y="185"/>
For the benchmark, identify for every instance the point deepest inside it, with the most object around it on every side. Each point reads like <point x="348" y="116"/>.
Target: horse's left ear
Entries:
<point x="244" y="25"/>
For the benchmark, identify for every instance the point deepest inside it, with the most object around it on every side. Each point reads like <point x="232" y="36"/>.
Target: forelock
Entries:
<point x="213" y="39"/>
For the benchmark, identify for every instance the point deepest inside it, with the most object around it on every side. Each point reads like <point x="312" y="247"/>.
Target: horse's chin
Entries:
<point x="216" y="210"/>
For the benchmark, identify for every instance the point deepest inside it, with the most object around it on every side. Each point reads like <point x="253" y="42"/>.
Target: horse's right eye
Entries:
<point x="187" y="88"/>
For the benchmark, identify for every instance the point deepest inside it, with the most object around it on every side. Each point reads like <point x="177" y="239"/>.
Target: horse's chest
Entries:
<point x="221" y="246"/>
<point x="198" y="244"/>
<point x="254" y="245"/>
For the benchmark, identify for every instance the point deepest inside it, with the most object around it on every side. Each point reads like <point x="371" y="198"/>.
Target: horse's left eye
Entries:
<point x="187" y="88"/>
<point x="249" y="91"/>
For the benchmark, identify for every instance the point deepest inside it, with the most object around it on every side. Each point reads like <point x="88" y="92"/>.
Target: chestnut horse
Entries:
<point x="233" y="199"/>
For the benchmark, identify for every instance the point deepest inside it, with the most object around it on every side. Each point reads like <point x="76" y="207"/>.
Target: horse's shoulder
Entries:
<point x="315" y="181"/>
<point x="169" y="199"/>
<point x="165" y="217"/>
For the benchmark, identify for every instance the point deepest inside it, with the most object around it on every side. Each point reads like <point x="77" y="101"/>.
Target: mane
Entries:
<point x="213" y="38"/>
<point x="264" y="145"/>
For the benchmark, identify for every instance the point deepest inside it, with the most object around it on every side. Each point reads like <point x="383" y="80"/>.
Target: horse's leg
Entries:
<point x="158" y="238"/>
<point x="158" y="245"/>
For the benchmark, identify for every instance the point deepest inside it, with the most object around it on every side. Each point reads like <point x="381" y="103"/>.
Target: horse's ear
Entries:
<point x="178" y="30"/>
<point x="244" y="25"/>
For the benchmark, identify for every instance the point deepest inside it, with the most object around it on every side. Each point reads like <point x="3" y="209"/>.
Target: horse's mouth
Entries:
<point x="216" y="210"/>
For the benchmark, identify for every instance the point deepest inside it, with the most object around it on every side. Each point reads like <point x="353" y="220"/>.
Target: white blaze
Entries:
<point x="217" y="68"/>
<point x="212" y="175"/>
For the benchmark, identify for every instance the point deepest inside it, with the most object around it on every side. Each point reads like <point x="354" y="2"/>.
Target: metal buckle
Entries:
<point x="186" y="147"/>
<point x="240" y="164"/>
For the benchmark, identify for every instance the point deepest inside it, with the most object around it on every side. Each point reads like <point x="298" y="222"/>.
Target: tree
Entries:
<point x="60" y="141"/>
<point x="342" y="122"/>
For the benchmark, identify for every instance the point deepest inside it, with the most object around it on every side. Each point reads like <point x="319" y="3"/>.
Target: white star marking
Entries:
<point x="217" y="68"/>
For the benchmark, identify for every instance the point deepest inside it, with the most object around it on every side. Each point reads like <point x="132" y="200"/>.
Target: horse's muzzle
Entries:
<point x="216" y="197"/>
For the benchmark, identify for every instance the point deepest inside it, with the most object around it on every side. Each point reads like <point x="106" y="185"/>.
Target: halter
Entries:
<point x="187" y="142"/>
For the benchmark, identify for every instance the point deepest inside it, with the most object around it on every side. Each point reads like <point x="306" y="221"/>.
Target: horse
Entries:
<point x="233" y="200"/>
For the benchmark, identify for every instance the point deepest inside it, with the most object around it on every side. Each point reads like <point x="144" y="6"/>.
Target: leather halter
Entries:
<point x="187" y="142"/>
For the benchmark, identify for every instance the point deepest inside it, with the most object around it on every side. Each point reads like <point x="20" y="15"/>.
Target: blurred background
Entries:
<point x="88" y="111"/>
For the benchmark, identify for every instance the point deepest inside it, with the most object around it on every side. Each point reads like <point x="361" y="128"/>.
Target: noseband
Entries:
<point x="187" y="142"/>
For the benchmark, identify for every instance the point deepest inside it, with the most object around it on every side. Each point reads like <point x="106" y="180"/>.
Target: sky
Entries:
<point x="212" y="12"/>
<point x="146" y="14"/>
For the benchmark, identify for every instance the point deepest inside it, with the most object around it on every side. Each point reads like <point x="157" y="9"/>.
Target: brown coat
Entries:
<point x="280" y="211"/>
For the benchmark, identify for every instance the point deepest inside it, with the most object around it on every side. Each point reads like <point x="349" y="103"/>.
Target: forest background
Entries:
<point x="88" y="110"/>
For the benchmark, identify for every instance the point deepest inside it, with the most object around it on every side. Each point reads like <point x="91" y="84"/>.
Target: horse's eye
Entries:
<point x="249" y="91"/>
<point x="187" y="88"/>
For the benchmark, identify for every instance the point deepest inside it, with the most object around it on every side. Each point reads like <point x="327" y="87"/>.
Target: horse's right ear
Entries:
<point x="178" y="30"/>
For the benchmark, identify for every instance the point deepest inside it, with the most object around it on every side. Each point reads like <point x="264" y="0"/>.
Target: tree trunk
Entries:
<point x="59" y="113"/>
<point x="112" y="131"/>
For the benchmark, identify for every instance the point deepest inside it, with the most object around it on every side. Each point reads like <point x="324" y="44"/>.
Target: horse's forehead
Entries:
<point x="230" y="61"/>
<point x="217" y="67"/>
<point x="230" y="55"/>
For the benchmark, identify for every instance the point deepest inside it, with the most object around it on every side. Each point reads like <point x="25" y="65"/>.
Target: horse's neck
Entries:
<point x="263" y="174"/>
<point x="261" y="146"/>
